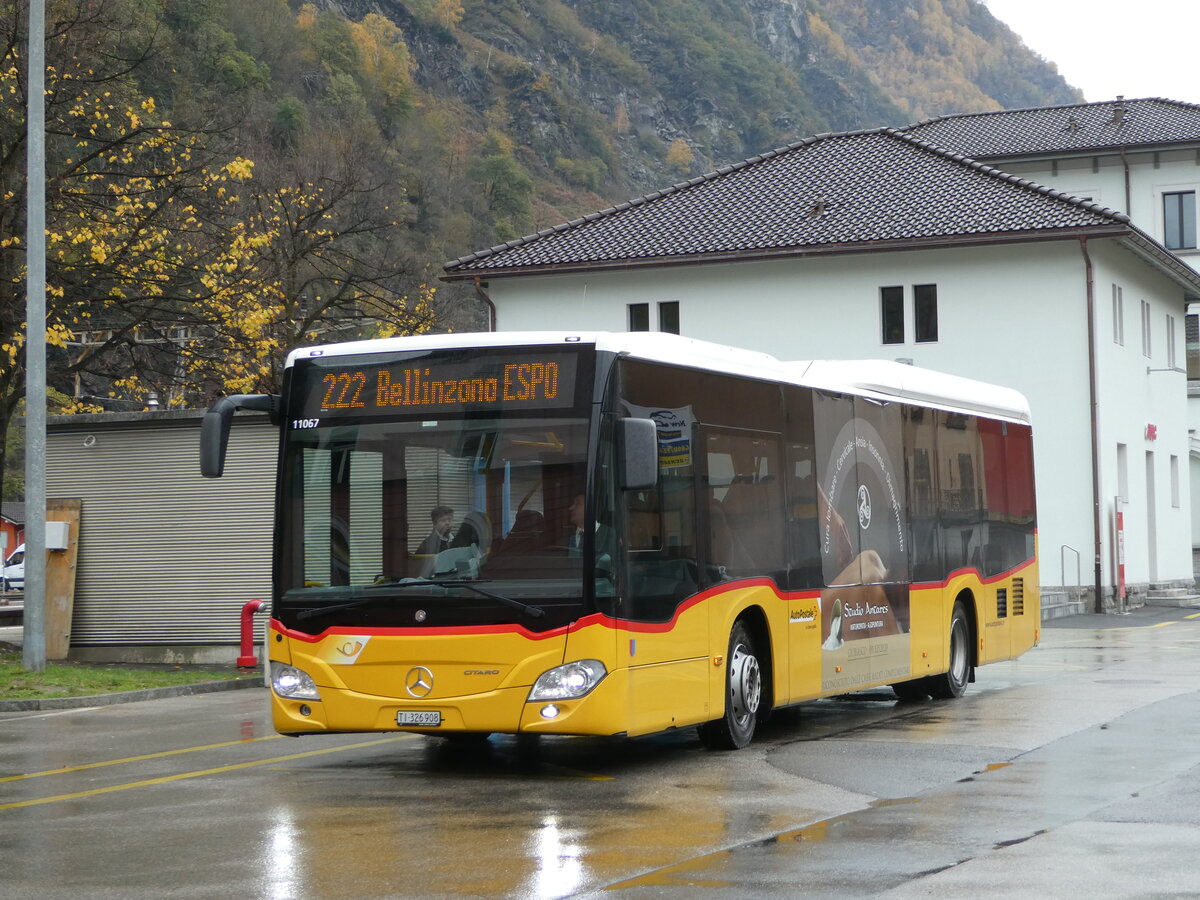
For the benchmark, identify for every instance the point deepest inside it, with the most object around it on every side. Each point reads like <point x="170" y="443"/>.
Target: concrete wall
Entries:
<point x="1144" y="407"/>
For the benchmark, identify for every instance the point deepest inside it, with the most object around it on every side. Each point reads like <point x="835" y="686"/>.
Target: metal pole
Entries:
<point x="1094" y="406"/>
<point x="34" y="640"/>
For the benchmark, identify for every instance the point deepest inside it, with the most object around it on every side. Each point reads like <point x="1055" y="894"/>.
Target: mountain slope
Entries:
<point x="611" y="86"/>
<point x="945" y="56"/>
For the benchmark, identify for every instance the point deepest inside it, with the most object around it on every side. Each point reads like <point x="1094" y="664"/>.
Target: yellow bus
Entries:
<point x="620" y="534"/>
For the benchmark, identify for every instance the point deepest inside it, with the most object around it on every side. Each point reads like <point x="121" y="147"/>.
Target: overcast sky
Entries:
<point x="1145" y="48"/>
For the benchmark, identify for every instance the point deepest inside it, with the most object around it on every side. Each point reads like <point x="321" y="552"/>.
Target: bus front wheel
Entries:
<point x="743" y="693"/>
<point x="954" y="682"/>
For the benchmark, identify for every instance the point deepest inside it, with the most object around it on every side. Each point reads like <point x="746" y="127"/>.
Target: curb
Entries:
<point x="181" y="690"/>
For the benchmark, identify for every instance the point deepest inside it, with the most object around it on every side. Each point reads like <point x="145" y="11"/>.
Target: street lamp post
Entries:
<point x="34" y="641"/>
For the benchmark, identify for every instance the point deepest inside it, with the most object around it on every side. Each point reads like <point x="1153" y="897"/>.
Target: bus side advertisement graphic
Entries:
<point x="865" y="611"/>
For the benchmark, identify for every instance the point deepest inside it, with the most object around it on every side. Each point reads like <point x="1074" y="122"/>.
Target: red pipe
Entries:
<point x="248" y="660"/>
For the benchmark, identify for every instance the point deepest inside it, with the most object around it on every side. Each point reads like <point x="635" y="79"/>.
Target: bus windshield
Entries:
<point x="474" y="501"/>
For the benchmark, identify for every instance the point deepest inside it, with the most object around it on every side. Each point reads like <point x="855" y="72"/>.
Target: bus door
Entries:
<point x="863" y="533"/>
<point x="664" y="637"/>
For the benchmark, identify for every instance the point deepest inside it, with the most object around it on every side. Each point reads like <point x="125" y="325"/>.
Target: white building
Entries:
<point x="877" y="244"/>
<point x="1141" y="157"/>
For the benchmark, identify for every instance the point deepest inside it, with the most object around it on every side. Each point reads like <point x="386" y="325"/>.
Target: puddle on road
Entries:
<point x="818" y="832"/>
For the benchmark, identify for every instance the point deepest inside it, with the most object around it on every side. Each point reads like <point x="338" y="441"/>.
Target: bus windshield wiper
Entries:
<point x="338" y="607"/>
<point x="535" y="611"/>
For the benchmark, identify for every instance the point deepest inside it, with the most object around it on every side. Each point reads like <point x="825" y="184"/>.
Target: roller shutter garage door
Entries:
<point x="166" y="557"/>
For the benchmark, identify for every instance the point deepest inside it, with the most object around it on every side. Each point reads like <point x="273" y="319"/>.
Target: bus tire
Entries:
<point x="743" y="693"/>
<point x="954" y="682"/>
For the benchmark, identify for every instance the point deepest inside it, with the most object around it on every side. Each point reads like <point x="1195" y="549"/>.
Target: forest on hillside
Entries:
<point x="229" y="180"/>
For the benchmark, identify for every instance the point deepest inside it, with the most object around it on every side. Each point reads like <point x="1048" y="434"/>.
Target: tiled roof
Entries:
<point x="858" y="190"/>
<point x="1064" y="129"/>
<point x="14" y="511"/>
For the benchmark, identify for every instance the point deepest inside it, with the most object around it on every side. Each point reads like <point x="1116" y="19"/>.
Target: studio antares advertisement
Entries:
<point x="863" y="531"/>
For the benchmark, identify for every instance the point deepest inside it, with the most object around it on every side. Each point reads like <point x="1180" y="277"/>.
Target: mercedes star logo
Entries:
<point x="419" y="681"/>
<point x="864" y="507"/>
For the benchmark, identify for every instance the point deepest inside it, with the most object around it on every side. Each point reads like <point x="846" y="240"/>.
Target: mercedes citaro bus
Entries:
<point x="619" y="534"/>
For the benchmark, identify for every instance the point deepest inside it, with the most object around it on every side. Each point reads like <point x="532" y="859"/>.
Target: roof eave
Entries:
<point x="1154" y="252"/>
<point x="1080" y="152"/>
<point x="808" y="250"/>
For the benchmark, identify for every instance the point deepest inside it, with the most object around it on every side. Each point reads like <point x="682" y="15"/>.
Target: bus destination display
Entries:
<point x="513" y="381"/>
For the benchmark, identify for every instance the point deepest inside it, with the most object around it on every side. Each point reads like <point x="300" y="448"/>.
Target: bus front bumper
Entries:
<point x="604" y="711"/>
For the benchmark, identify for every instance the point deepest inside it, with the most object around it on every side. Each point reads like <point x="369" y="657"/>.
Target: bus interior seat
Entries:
<point x="528" y="533"/>
<point x="728" y="547"/>
<point x="753" y="515"/>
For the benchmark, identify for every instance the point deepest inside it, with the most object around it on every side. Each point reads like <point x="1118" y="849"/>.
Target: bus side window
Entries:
<point x="643" y="524"/>
<point x="925" y="553"/>
<point x="746" y="505"/>
<point x="662" y="551"/>
<point x="800" y="489"/>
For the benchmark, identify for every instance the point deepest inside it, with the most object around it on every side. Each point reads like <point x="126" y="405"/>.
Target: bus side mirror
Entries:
<point x="637" y="454"/>
<point x="214" y="427"/>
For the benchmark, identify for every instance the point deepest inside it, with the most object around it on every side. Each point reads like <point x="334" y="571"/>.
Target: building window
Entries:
<point x="891" y="305"/>
<point x="1123" y="471"/>
<point x="1118" y="309"/>
<point x="1191" y="335"/>
<point x="1179" y="220"/>
<point x="1175" y="481"/>
<point x="925" y="313"/>
<point x="639" y="316"/>
<point x="1170" y="342"/>
<point x="1146" y="346"/>
<point x="668" y="316"/>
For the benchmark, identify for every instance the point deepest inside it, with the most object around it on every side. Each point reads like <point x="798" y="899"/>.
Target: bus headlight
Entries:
<point x="568" y="682"/>
<point x="293" y="683"/>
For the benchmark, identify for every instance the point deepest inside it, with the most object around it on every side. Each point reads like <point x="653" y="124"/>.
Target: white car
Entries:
<point x="14" y="570"/>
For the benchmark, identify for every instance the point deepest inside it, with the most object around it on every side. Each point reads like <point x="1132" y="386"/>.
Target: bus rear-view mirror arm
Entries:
<point x="637" y="452"/>
<point x="214" y="427"/>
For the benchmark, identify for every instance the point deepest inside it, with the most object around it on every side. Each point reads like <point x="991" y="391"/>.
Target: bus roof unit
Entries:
<point x="879" y="379"/>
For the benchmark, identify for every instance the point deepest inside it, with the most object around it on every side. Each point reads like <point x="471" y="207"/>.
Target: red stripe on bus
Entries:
<point x="604" y="621"/>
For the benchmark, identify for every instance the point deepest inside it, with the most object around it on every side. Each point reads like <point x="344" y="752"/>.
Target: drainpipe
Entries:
<point x="1092" y="388"/>
<point x="483" y="295"/>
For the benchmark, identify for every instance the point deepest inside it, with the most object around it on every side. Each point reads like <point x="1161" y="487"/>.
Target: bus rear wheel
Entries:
<point x="954" y="682"/>
<point x="743" y="693"/>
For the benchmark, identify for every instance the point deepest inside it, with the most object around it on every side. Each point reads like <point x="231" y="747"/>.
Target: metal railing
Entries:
<point x="1062" y="562"/>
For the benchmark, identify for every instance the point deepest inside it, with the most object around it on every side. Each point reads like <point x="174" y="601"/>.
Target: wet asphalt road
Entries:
<point x="1072" y="772"/>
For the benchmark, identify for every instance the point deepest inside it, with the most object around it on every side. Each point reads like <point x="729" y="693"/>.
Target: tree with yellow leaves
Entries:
<point x="173" y="265"/>
<point x="680" y="156"/>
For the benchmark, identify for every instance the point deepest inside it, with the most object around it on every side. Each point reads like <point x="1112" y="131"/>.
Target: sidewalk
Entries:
<point x="12" y="638"/>
<point x="1137" y="617"/>
<point x="11" y="634"/>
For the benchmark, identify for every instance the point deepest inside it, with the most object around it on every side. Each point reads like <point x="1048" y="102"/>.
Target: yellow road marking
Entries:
<point x="130" y="759"/>
<point x="183" y="776"/>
